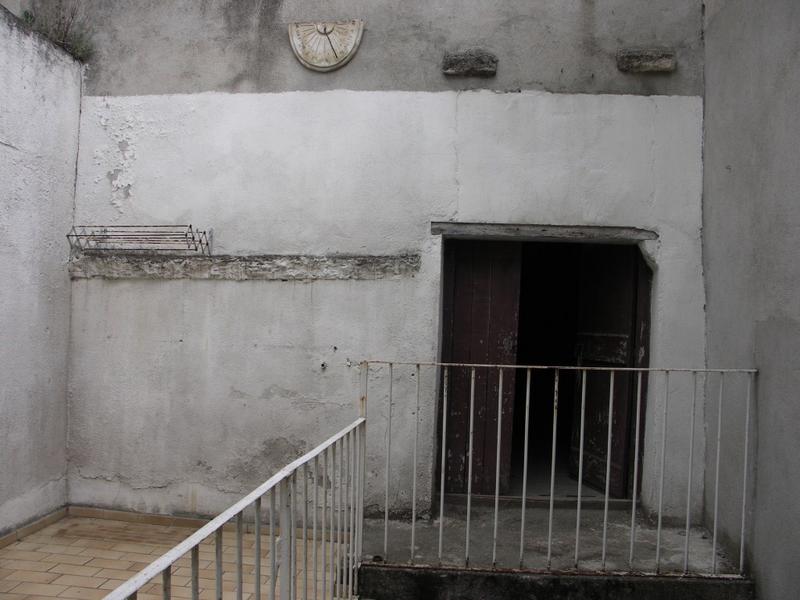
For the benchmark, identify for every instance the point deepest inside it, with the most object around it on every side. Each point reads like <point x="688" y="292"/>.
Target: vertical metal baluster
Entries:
<point x="351" y="497"/>
<point x="716" y="475"/>
<point x="497" y="466"/>
<point x="608" y="465"/>
<point x="635" y="467"/>
<point x="257" y="547"/>
<point x="324" y="523"/>
<point x="273" y="568"/>
<point x="343" y="562"/>
<point x="580" y="467"/>
<point x="414" y="473"/>
<point x="552" y="472"/>
<point x="388" y="455"/>
<point x="469" y="460"/>
<point x="314" y="551"/>
<point x="292" y="482"/>
<point x="166" y="583"/>
<point x="239" y="557"/>
<point x="218" y="557"/>
<point x="524" y="467"/>
<point x="305" y="530"/>
<point x="286" y="541"/>
<point x="442" y="466"/>
<point x="346" y="486"/>
<point x="744" y="473"/>
<point x="356" y="507"/>
<point x="332" y="536"/>
<point x="196" y="573"/>
<point x="661" y="471"/>
<point x="689" y="482"/>
<point x="340" y="520"/>
<point x="362" y="468"/>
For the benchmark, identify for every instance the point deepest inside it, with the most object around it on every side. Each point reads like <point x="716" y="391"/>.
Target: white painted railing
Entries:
<point x="322" y="525"/>
<point x="675" y="398"/>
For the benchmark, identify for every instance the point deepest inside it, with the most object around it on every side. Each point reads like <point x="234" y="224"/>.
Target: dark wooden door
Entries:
<point x="613" y="331"/>
<point x="481" y="314"/>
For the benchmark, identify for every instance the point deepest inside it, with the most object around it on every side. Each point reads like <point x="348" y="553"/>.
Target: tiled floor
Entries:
<point x="84" y="558"/>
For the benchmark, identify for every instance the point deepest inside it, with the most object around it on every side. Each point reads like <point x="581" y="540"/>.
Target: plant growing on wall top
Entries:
<point x="64" y="23"/>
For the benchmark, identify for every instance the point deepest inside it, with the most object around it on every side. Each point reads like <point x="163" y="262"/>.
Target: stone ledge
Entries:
<point x="273" y="267"/>
<point x="474" y="62"/>
<point x="646" y="60"/>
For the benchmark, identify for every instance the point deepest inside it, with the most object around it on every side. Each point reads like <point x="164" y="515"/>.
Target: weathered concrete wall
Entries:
<point x="185" y="393"/>
<point x="39" y="115"/>
<point x="751" y="233"/>
<point x="14" y="6"/>
<point x="186" y="46"/>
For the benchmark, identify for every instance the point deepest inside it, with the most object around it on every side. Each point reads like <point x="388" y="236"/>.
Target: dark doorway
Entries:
<point x="543" y="304"/>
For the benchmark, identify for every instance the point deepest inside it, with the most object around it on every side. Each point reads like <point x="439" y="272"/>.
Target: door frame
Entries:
<point x="528" y="232"/>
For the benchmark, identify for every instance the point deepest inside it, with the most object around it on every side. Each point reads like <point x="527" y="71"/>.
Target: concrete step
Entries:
<point x="388" y="582"/>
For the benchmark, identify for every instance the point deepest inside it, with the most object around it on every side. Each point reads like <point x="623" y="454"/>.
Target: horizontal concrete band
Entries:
<point x="244" y="268"/>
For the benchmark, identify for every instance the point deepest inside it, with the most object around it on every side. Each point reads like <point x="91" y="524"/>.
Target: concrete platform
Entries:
<point x="415" y="583"/>
<point x="672" y="542"/>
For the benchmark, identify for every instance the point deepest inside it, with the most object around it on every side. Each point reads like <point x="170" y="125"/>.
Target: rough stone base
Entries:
<point x="646" y="60"/>
<point x="470" y="63"/>
<point x="410" y="583"/>
<point x="243" y="268"/>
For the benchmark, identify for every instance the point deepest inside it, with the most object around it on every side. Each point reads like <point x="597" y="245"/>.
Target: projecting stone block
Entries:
<point x="470" y="63"/>
<point x="646" y="60"/>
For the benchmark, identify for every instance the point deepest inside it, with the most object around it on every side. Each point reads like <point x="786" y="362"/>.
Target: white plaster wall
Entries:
<point x="39" y="116"/>
<point x="183" y="393"/>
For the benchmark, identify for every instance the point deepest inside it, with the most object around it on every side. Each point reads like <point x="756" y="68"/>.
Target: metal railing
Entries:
<point x="665" y="447"/>
<point x="315" y="506"/>
<point x="322" y="525"/>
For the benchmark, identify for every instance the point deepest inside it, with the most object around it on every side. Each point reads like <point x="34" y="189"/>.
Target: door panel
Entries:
<point x="481" y="314"/>
<point x="613" y="314"/>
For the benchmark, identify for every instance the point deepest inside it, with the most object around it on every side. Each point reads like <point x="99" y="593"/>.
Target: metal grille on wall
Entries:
<point x="170" y="239"/>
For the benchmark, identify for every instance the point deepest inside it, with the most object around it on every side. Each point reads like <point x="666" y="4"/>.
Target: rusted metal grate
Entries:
<point x="172" y="239"/>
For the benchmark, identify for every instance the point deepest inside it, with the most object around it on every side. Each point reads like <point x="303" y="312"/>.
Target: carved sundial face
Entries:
<point x="325" y="45"/>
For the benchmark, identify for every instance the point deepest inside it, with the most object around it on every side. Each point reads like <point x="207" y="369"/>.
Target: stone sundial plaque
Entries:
<point x="325" y="45"/>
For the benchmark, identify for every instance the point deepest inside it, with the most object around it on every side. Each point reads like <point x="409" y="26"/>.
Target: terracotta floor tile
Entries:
<point x="57" y="549"/>
<point x="112" y="584"/>
<point x="69" y="559"/>
<point x="31" y="576"/>
<point x="26" y="545"/>
<point x="14" y="553"/>
<point x="39" y="589"/>
<point x="139" y="557"/>
<point x="75" y="570"/>
<point x="105" y="563"/>
<point x="115" y="574"/>
<point x="26" y="565"/>
<point x="80" y="593"/>
<point x="6" y="585"/>
<point x="102" y="553"/>
<point x="100" y="544"/>
<point x="80" y="581"/>
<point x="128" y="547"/>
